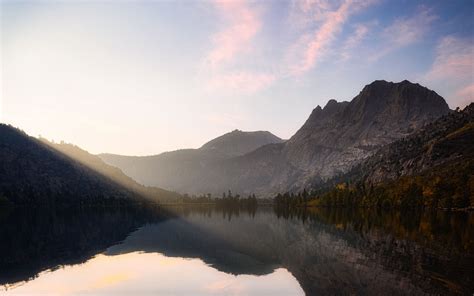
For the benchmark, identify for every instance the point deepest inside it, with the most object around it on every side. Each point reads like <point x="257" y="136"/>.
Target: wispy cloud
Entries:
<point x="232" y="44"/>
<point x="464" y="96"/>
<point x="318" y="23"/>
<point x="357" y="36"/>
<point x="241" y="24"/>
<point x="317" y="26"/>
<point x="454" y="66"/>
<point x="311" y="47"/>
<point x="454" y="58"/>
<point x="405" y="31"/>
<point x="304" y="13"/>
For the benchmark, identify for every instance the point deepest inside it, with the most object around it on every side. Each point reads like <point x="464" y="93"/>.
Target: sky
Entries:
<point x="144" y="77"/>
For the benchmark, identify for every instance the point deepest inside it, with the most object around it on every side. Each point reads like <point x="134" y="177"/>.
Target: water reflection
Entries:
<point x="239" y="252"/>
<point x="154" y="274"/>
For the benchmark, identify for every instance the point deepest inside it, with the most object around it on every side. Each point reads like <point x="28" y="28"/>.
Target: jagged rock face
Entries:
<point x="444" y="143"/>
<point x="333" y="139"/>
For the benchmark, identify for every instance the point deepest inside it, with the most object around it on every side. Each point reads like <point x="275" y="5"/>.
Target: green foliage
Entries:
<point x="433" y="168"/>
<point x="448" y="186"/>
<point x="290" y="201"/>
<point x="227" y="201"/>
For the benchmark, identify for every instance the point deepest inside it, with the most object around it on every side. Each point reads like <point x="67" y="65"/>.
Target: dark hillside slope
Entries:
<point x="39" y="172"/>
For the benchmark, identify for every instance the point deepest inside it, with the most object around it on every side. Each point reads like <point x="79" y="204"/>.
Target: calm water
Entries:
<point x="204" y="251"/>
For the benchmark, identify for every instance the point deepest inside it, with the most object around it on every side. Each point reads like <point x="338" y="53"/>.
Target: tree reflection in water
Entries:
<point x="328" y="251"/>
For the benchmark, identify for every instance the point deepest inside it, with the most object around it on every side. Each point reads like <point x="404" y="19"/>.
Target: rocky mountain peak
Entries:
<point x="403" y="103"/>
<point x="333" y="106"/>
<point x="321" y="116"/>
<point x="341" y="134"/>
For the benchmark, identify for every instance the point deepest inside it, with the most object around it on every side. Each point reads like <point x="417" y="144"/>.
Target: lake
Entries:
<point x="209" y="251"/>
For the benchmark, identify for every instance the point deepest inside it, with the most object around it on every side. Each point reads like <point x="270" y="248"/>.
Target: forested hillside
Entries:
<point x="39" y="172"/>
<point x="433" y="167"/>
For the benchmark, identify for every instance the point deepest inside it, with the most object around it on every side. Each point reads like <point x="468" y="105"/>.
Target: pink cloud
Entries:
<point x="242" y="24"/>
<point x="247" y="82"/>
<point x="231" y="45"/>
<point x="306" y="12"/>
<point x="234" y="41"/>
<point x="454" y="59"/>
<point x="453" y="67"/>
<point x="312" y="47"/>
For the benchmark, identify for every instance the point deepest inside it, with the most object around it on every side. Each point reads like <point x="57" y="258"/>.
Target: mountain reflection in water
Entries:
<point x="204" y="251"/>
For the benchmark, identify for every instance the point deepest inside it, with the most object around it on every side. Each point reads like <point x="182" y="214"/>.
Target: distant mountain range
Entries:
<point x="179" y="168"/>
<point x="332" y="140"/>
<point x="388" y="131"/>
<point x="35" y="171"/>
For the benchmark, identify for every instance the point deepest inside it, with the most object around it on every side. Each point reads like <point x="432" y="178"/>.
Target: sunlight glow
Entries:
<point x="73" y="71"/>
<point x="147" y="273"/>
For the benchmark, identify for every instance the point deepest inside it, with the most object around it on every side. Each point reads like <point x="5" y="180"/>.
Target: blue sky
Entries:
<point x="143" y="77"/>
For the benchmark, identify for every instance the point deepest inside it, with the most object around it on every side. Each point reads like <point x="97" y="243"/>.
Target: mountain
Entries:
<point x="432" y="167"/>
<point x="444" y="144"/>
<point x="238" y="142"/>
<point x="175" y="170"/>
<point x="40" y="172"/>
<point x="332" y="140"/>
<point x="336" y="137"/>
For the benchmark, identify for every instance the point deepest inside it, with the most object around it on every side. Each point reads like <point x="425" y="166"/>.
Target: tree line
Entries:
<point x="228" y="200"/>
<point x="447" y="187"/>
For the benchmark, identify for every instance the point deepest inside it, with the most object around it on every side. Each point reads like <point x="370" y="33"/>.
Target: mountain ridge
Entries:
<point x="331" y="141"/>
<point x="186" y="165"/>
